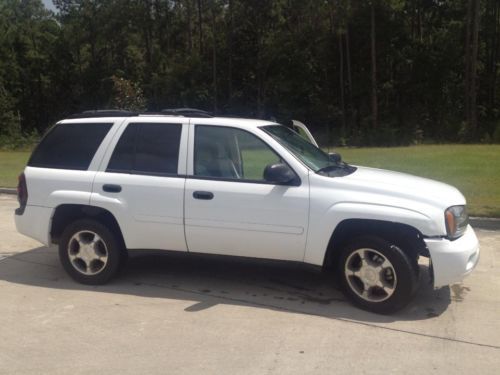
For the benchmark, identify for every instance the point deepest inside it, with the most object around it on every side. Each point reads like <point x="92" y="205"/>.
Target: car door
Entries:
<point x="230" y="209"/>
<point x="141" y="182"/>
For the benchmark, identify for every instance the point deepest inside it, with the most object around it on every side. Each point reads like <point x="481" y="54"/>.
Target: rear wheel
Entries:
<point x="376" y="275"/>
<point x="89" y="252"/>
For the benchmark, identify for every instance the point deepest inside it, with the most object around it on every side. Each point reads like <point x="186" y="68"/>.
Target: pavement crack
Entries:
<point x="298" y="311"/>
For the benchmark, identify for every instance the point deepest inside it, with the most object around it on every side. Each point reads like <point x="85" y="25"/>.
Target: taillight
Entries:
<point x="22" y="190"/>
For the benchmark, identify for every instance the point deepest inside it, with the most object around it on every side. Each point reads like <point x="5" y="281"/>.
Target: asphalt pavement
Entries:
<point x="174" y="314"/>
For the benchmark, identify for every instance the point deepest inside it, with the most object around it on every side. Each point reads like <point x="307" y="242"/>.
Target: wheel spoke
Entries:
<point x="95" y="240"/>
<point x="364" y="255"/>
<point x="364" y="293"/>
<point x="385" y="264"/>
<point x="81" y="239"/>
<point x="349" y="272"/>
<point x="86" y="261"/>
<point x="388" y="289"/>
<point x="386" y="286"/>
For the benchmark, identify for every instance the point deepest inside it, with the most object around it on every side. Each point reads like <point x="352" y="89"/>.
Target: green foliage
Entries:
<point x="303" y="59"/>
<point x="127" y="95"/>
<point x="496" y="135"/>
<point x="11" y="135"/>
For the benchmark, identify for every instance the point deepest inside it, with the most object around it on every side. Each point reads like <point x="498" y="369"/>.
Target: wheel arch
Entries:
<point x="405" y="236"/>
<point x="67" y="213"/>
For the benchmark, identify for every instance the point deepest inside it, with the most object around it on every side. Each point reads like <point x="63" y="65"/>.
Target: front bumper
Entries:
<point x="453" y="260"/>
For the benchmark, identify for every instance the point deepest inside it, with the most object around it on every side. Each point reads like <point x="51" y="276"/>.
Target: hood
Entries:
<point x="395" y="185"/>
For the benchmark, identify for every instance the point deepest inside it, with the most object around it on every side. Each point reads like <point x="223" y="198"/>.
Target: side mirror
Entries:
<point x="279" y="173"/>
<point x="334" y="157"/>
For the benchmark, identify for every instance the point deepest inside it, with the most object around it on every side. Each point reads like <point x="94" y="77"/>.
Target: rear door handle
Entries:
<point x="110" y="188"/>
<point x="205" y="195"/>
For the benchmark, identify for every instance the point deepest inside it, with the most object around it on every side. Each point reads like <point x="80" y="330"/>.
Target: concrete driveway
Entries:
<point x="174" y="315"/>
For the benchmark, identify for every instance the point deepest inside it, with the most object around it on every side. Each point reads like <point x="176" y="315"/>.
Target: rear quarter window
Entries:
<point x="69" y="146"/>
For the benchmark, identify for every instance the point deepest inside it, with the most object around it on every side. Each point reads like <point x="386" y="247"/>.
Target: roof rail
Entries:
<point x="188" y="112"/>
<point x="104" y="113"/>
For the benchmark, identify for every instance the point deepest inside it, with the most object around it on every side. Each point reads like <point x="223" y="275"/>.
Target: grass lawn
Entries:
<point x="473" y="169"/>
<point x="11" y="165"/>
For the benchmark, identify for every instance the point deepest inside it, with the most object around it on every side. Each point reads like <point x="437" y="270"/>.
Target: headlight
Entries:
<point x="456" y="219"/>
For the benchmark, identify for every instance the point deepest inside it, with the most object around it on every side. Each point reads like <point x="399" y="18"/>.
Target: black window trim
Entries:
<point x="144" y="173"/>
<point x="298" y="180"/>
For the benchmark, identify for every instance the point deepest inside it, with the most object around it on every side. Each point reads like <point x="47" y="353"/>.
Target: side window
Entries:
<point x="122" y="159"/>
<point x="147" y="148"/>
<point x="230" y="153"/>
<point x="69" y="146"/>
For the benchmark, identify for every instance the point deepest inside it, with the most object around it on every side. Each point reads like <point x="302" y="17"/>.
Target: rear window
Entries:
<point x="147" y="148"/>
<point x="69" y="146"/>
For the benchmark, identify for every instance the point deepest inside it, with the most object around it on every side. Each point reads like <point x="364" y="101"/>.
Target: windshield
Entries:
<point x="310" y="155"/>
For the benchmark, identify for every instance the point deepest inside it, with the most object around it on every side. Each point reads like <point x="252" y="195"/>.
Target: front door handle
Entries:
<point x="205" y="195"/>
<point x="110" y="188"/>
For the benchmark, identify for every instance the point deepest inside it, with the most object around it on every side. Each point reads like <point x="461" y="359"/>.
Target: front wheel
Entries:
<point x="376" y="275"/>
<point x="89" y="252"/>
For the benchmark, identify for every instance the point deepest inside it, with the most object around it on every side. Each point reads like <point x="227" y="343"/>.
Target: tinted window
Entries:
<point x="69" y="146"/>
<point x="122" y="159"/>
<point x="147" y="148"/>
<point x="231" y="153"/>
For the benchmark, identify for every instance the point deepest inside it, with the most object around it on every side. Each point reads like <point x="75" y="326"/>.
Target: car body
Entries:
<point x="238" y="187"/>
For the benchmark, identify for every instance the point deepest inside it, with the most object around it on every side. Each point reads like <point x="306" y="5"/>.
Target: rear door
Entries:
<point x="230" y="208"/>
<point x="141" y="181"/>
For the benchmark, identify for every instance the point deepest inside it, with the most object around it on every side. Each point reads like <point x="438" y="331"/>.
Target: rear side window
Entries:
<point x="69" y="146"/>
<point x="147" y="148"/>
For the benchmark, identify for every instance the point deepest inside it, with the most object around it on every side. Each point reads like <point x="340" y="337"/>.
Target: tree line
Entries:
<point x="359" y="72"/>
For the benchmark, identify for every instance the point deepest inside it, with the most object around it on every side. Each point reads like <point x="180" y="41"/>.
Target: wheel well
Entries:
<point x="404" y="236"/>
<point x="68" y="213"/>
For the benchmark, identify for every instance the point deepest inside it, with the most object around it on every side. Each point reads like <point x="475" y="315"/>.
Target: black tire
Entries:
<point x="109" y="246"/>
<point x="402" y="286"/>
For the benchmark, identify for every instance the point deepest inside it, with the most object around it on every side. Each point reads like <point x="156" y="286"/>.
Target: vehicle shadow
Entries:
<point x="213" y="280"/>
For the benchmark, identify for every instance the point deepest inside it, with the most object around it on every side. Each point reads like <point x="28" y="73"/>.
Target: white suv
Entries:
<point x="104" y="182"/>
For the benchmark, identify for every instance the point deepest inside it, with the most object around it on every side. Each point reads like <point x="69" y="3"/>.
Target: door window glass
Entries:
<point x="147" y="148"/>
<point x="229" y="153"/>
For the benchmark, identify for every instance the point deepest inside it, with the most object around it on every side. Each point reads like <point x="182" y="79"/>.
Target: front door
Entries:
<point x="230" y="209"/>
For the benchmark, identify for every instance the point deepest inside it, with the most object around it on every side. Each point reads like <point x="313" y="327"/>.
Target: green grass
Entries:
<point x="254" y="162"/>
<point x="473" y="169"/>
<point x="11" y="165"/>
